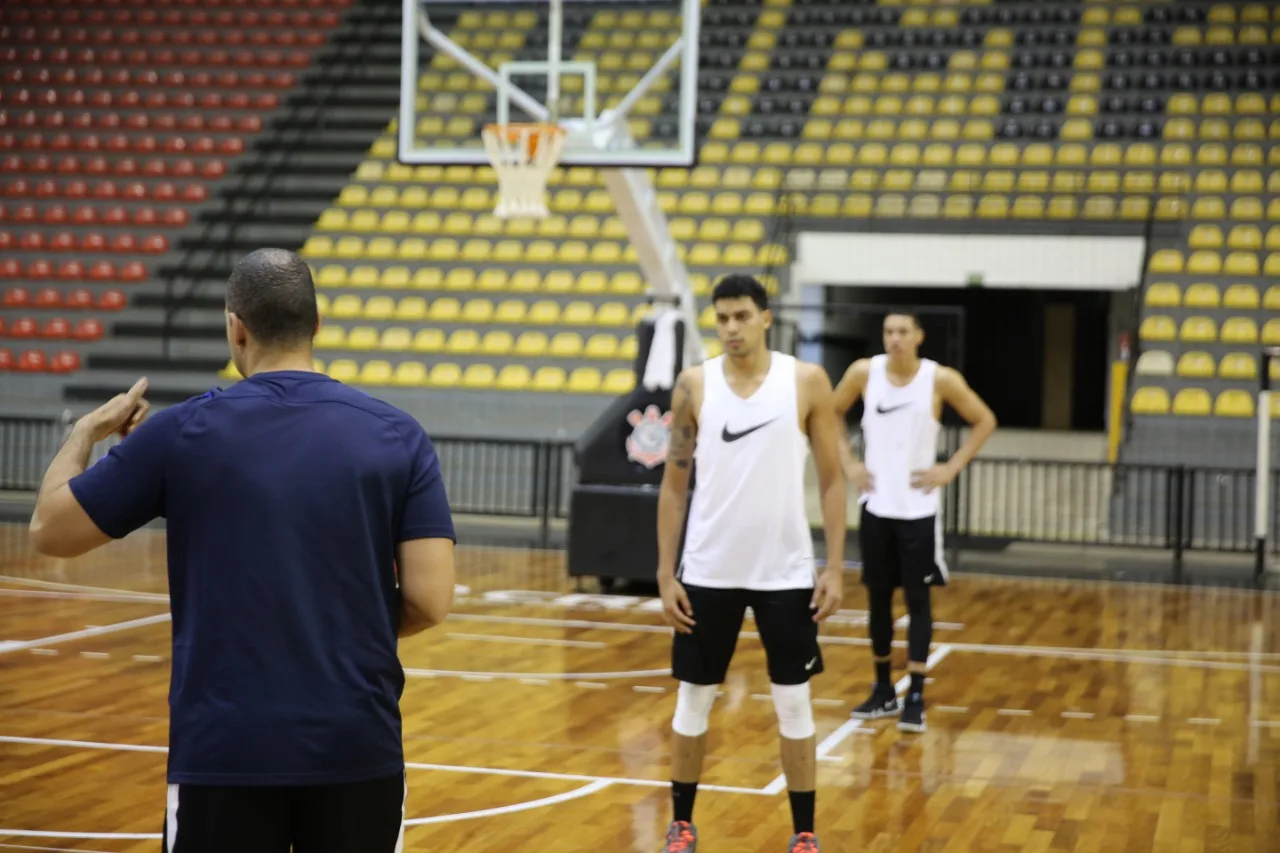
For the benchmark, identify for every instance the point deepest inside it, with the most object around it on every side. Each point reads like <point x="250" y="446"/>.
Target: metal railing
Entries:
<point x="1179" y="508"/>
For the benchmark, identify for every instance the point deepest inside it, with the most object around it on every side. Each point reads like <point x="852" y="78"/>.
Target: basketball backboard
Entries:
<point x="620" y="77"/>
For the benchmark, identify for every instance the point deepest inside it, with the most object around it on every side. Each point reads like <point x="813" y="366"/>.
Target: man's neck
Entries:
<point x="273" y="362"/>
<point x="904" y="366"/>
<point x="752" y="364"/>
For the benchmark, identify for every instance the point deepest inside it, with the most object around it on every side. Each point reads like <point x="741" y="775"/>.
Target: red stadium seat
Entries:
<point x="56" y="215"/>
<point x="112" y="300"/>
<point x="24" y="327"/>
<point x="79" y="298"/>
<point x="103" y="271"/>
<point x="156" y="244"/>
<point x="39" y="270"/>
<point x="17" y="297"/>
<point x="176" y="217"/>
<point x="6" y="359"/>
<point x="71" y="271"/>
<point x="85" y="215"/>
<point x="56" y="329"/>
<point x="124" y="243"/>
<point x="6" y="240"/>
<point x="9" y="268"/>
<point x="133" y="272"/>
<point x="88" y="330"/>
<point x="48" y="297"/>
<point x="65" y="362"/>
<point x="144" y="216"/>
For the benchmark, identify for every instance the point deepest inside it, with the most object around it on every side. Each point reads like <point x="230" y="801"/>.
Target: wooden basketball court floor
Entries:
<point x="1064" y="715"/>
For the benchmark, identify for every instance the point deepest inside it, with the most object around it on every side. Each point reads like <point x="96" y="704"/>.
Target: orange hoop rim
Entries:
<point x="513" y="132"/>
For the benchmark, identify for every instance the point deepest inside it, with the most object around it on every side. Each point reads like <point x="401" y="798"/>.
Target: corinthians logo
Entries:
<point x="650" y="436"/>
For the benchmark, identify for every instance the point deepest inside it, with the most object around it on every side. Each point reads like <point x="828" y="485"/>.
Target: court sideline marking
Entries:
<point x="21" y="645"/>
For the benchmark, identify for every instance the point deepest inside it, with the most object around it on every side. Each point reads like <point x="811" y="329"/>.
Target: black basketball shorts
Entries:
<point x="358" y="817"/>
<point x="899" y="552"/>
<point x="785" y="622"/>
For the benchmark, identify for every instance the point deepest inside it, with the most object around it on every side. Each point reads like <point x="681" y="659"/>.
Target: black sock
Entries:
<point x="917" y="683"/>
<point x="802" y="810"/>
<point x="682" y="795"/>
<point x="883" y="676"/>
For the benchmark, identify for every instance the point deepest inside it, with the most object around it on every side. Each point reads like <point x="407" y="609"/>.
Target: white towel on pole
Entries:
<point x="660" y="369"/>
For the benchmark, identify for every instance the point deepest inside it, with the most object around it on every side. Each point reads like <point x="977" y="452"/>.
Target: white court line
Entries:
<point x="87" y="632"/>
<point x="584" y="791"/>
<point x="1157" y="657"/>
<point x="554" y="676"/>
<point x="531" y="641"/>
<point x="413" y="765"/>
<point x="58" y="849"/>
<point x="78" y="587"/>
<point x="128" y="597"/>
<point x="831" y="741"/>
<point x="34" y="833"/>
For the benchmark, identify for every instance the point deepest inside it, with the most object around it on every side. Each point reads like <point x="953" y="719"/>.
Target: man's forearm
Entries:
<point x="70" y="462"/>
<point x="835" y="522"/>
<point x="978" y="435"/>
<point x="671" y="509"/>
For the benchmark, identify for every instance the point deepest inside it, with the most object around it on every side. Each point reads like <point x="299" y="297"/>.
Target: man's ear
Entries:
<point x="239" y="332"/>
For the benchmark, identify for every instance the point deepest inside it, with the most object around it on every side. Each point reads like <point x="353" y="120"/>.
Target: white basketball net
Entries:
<point x="523" y="156"/>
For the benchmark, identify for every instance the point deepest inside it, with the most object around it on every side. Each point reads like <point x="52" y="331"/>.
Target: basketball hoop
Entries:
<point x="523" y="155"/>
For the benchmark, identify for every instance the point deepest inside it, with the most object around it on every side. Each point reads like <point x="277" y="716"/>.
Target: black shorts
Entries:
<point x="901" y="552"/>
<point x="785" y="622"/>
<point x="359" y="817"/>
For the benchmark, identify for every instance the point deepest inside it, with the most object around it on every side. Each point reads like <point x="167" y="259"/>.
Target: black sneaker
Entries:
<point x="881" y="703"/>
<point x="912" y="719"/>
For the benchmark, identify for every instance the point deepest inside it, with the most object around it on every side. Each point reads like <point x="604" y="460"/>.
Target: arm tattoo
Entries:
<point x="680" y="453"/>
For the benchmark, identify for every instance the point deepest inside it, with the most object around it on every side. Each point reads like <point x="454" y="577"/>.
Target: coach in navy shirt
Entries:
<point x="307" y="527"/>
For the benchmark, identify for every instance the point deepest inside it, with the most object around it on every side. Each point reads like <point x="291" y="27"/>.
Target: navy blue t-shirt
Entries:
<point x="285" y="496"/>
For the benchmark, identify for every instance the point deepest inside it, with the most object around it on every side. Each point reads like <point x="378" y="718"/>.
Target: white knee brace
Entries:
<point x="693" y="709"/>
<point x="795" y="712"/>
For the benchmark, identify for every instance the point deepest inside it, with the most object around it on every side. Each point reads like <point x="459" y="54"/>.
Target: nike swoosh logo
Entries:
<point x="734" y="436"/>
<point x="882" y="410"/>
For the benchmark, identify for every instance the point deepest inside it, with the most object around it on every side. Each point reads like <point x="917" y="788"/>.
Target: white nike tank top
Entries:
<point x="748" y="528"/>
<point x="900" y="435"/>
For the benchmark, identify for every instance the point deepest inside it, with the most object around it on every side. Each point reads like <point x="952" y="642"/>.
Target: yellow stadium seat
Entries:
<point x="428" y="340"/>
<point x="1234" y="403"/>
<point x="1163" y="294"/>
<point x="409" y="374"/>
<point x="1271" y="299"/>
<point x="584" y="380"/>
<point x="566" y="345"/>
<point x="548" y="379"/>
<point x="1192" y="402"/>
<point x="463" y="342"/>
<point x="1198" y="329"/>
<point x="330" y="337"/>
<point x="497" y="342"/>
<point x="619" y="381"/>
<point x="1271" y="332"/>
<point x="343" y="370"/>
<point x="1241" y="263"/>
<point x="1195" y="364"/>
<point x="1202" y="295"/>
<point x="543" y="312"/>
<point x="395" y="339"/>
<point x="478" y="376"/>
<point x="626" y="282"/>
<point x="362" y="338"/>
<point x="1204" y="263"/>
<point x="377" y="372"/>
<point x="444" y="375"/>
<point x="1150" y="400"/>
<point x="601" y="346"/>
<point x="1239" y="330"/>
<point x="612" y="314"/>
<point x="1238" y="365"/>
<point x="513" y="377"/>
<point x="1166" y="261"/>
<point x="379" y="308"/>
<point x="1205" y="236"/>
<point x="531" y="344"/>
<point x="1240" y="296"/>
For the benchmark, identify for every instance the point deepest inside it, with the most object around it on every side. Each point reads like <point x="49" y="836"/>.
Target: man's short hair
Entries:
<point x="272" y="293"/>
<point x="910" y="315"/>
<point x="737" y="285"/>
